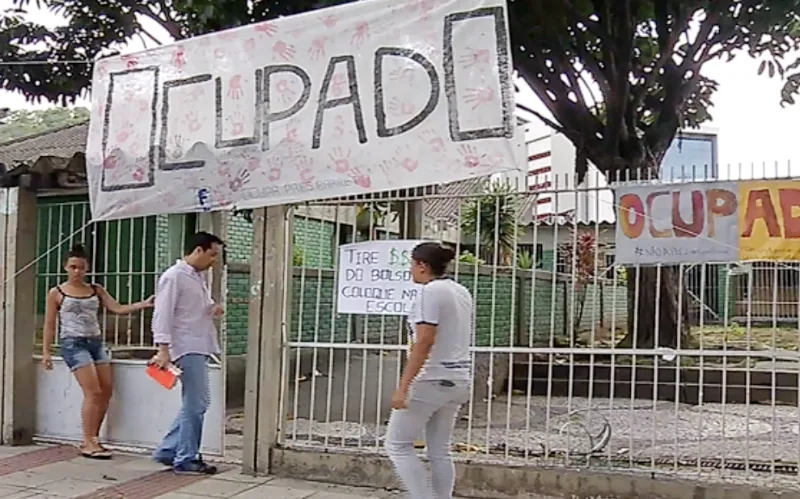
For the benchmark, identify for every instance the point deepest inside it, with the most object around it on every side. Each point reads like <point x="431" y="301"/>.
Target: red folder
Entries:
<point x="165" y="377"/>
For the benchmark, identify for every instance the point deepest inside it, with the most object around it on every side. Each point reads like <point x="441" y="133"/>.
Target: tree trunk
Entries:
<point x="643" y="330"/>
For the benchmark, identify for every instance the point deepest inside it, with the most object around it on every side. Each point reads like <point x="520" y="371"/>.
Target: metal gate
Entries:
<point x="553" y="385"/>
<point x="126" y="257"/>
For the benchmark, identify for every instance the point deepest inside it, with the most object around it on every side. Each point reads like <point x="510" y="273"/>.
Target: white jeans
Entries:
<point x="432" y="410"/>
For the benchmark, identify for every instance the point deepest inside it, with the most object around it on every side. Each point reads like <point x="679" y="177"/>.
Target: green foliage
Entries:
<point x="298" y="257"/>
<point x="21" y="123"/>
<point x="525" y="260"/>
<point x="492" y="219"/>
<point x="578" y="252"/>
<point x="97" y="28"/>
<point x="621" y="77"/>
<point x="370" y="216"/>
<point x="469" y="258"/>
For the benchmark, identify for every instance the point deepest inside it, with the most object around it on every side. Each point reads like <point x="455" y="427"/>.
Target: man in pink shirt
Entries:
<point x="185" y="333"/>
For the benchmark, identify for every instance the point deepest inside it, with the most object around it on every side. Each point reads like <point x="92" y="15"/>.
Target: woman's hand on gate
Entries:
<point x="47" y="361"/>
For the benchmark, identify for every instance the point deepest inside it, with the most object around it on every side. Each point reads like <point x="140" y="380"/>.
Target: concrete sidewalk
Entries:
<point x="59" y="471"/>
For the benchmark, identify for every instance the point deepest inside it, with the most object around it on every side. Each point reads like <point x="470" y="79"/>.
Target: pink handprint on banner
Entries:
<point x="402" y="73"/>
<point x="291" y="133"/>
<point x="283" y="50"/>
<point x="192" y="121"/>
<point x="285" y="91"/>
<point x="109" y="163"/>
<point x="266" y="28"/>
<point x="177" y="147"/>
<point x="360" y="179"/>
<point x="404" y="156"/>
<point x="305" y="166"/>
<point x="330" y="21"/>
<point x="340" y="159"/>
<point x="131" y="61"/>
<point x="475" y="57"/>
<point x="179" y="57"/>
<point x="274" y="168"/>
<point x="338" y="125"/>
<point x="398" y="107"/>
<point x="143" y="105"/>
<point x="426" y="9"/>
<point x="195" y="94"/>
<point x="237" y="124"/>
<point x="227" y="35"/>
<point x="170" y="199"/>
<point x="479" y="96"/>
<point x="389" y="168"/>
<point x="235" y="91"/>
<point x="317" y="49"/>
<point x="434" y="141"/>
<point x="224" y="169"/>
<point x="338" y="84"/>
<point x="470" y="156"/>
<point x="242" y="179"/>
<point x="250" y="45"/>
<point x="124" y="132"/>
<point x="360" y="34"/>
<point x="138" y="174"/>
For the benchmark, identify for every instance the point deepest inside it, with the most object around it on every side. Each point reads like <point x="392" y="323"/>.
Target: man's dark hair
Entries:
<point x="202" y="240"/>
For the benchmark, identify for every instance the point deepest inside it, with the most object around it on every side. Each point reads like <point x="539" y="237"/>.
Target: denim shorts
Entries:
<point x="80" y="352"/>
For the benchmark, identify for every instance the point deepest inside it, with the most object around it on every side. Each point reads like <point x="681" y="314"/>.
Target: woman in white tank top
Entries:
<point x="437" y="377"/>
<point x="72" y="308"/>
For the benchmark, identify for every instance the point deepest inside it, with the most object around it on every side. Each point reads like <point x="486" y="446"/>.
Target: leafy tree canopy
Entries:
<point x="622" y="76"/>
<point x="619" y="76"/>
<point x="21" y="123"/>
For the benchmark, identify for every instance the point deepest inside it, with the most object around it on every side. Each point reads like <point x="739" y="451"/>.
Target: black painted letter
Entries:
<point x="221" y="143"/>
<point x="163" y="164"/>
<point x="269" y="116"/>
<point x="323" y="104"/>
<point x="503" y="73"/>
<point x="380" y="105"/>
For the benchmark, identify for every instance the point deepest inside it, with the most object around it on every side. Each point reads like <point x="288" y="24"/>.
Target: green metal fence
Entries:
<point x="122" y="258"/>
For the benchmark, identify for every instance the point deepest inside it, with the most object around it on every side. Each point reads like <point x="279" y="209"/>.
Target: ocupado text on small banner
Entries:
<point x="708" y="222"/>
<point x="370" y="96"/>
<point x="375" y="278"/>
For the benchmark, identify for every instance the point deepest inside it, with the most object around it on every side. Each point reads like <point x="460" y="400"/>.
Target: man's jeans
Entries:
<point x="432" y="410"/>
<point x="181" y="444"/>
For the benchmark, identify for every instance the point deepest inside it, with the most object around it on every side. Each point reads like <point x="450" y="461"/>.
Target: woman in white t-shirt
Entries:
<point x="436" y="380"/>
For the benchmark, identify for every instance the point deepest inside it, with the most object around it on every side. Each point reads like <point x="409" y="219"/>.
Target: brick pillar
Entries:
<point x="17" y="321"/>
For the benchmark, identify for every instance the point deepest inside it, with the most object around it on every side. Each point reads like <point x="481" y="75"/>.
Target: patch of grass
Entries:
<point x="738" y="337"/>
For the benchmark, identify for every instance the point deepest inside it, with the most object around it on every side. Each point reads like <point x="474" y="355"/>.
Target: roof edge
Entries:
<point x="42" y="134"/>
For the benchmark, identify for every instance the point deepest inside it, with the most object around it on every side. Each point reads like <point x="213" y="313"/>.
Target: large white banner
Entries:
<point x="369" y="96"/>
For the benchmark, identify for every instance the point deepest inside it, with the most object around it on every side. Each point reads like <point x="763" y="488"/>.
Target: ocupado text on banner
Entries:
<point x="370" y="96"/>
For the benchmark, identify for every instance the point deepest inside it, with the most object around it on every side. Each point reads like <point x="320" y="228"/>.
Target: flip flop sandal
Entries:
<point x="97" y="442"/>
<point x="95" y="454"/>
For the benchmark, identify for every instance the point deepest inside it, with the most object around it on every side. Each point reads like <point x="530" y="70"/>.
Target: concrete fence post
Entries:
<point x="268" y="320"/>
<point x="17" y="296"/>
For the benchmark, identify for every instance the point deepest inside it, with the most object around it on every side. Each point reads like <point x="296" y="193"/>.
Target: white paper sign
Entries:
<point x="369" y="96"/>
<point x="375" y="278"/>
